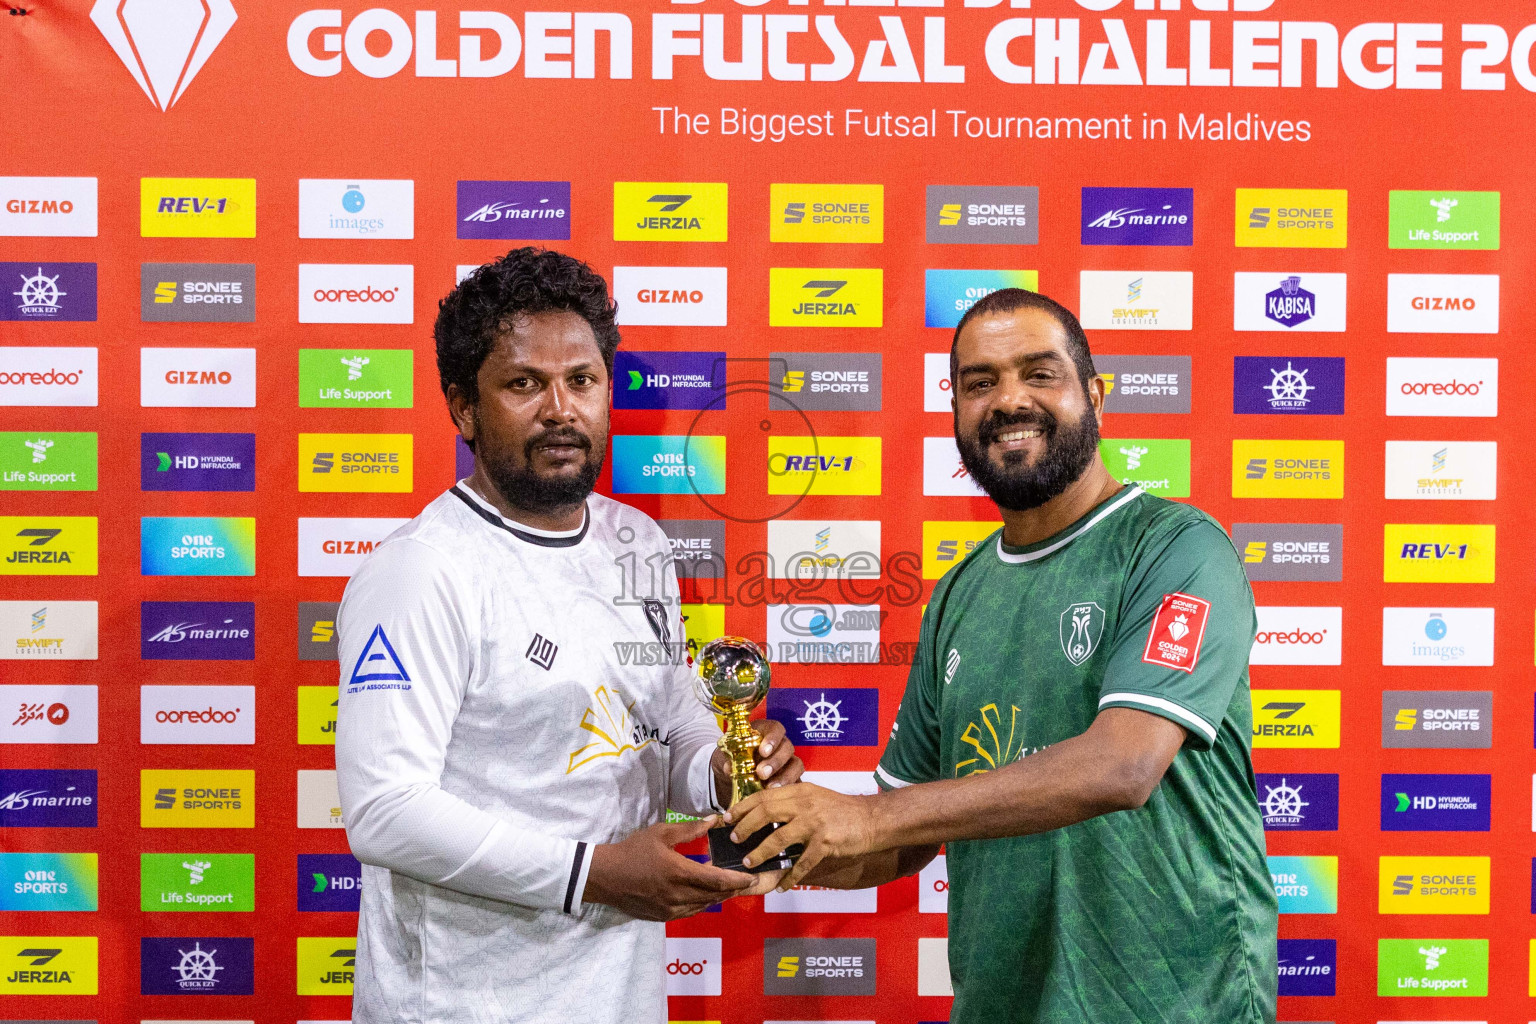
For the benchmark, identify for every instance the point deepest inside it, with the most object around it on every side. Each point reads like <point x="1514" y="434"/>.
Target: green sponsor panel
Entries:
<point x="198" y="882"/>
<point x="1443" y="220"/>
<point x="1158" y="466"/>
<point x="1432" y="967"/>
<point x="47" y="460"/>
<point x="355" y="378"/>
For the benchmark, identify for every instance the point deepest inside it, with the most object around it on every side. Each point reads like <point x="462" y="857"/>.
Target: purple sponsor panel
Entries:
<point x="669" y="380"/>
<point x="1308" y="967"/>
<point x="47" y="798"/>
<point x="329" y="882"/>
<point x="515" y="209"/>
<point x="463" y="460"/>
<point x="200" y="966"/>
<point x="197" y="630"/>
<point x="1436" y="803"/>
<point x="1288" y="385"/>
<point x="1299" y="801"/>
<point x="1138" y="216"/>
<point x="47" y="291"/>
<point x="197" y="462"/>
<point x="827" y="716"/>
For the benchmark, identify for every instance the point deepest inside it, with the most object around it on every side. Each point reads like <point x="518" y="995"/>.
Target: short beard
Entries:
<point x="524" y="488"/>
<point x="1015" y="486"/>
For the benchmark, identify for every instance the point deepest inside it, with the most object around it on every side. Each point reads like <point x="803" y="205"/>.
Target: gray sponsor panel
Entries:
<point x="698" y="547"/>
<point x="824" y="381"/>
<point x="984" y="214"/>
<point x="198" y="293"/>
<point x="819" y="967"/>
<point x="1145" y="383"/>
<point x="1291" y="552"/>
<point x="317" y="630"/>
<point x="1437" y="719"/>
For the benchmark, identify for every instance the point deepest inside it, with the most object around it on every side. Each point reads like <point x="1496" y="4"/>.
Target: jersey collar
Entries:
<point x="1035" y="552"/>
<point x="543" y="538"/>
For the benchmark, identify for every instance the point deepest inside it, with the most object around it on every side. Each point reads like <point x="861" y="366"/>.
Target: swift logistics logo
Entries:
<point x="202" y="715"/>
<point x="531" y="210"/>
<point x="1442" y="220"/>
<point x="1296" y="218"/>
<point x="1437" y="719"/>
<point x="983" y="214"/>
<point x="35" y="375"/>
<point x="826" y="213"/>
<point x="671" y="296"/>
<point x="670" y="211"/>
<point x="1298" y="635"/>
<point x="1288" y="385"/>
<point x="1443" y="303"/>
<point x="1301" y="552"/>
<point x="810" y="549"/>
<point x="197" y="882"/>
<point x="47" y="292"/>
<point x="197" y="462"/>
<point x="356" y="463"/>
<point x="1442" y="387"/>
<point x="197" y="207"/>
<point x="197" y="378"/>
<point x="48" y="546"/>
<point x="1153" y="384"/>
<point x="824" y="465"/>
<point x="668" y="464"/>
<point x="47" y="207"/>
<point x="49" y="630"/>
<point x="1305" y="885"/>
<point x="1308" y="967"/>
<point x="1433" y="885"/>
<point x="317" y="630"/>
<point x="1436" y="803"/>
<point x="1299" y="303"/>
<point x="1287" y="469"/>
<point x="203" y="798"/>
<point x="317" y="715"/>
<point x="48" y="965"/>
<point x="199" y="293"/>
<point x="1138" y="216"/>
<point x="948" y="294"/>
<point x="356" y="208"/>
<point x="1432" y="967"/>
<point x="326" y="965"/>
<point x="1296" y="718"/>
<point x="197" y="630"/>
<point x="1437" y="637"/>
<point x="329" y="882"/>
<point x="1137" y="300"/>
<point x="202" y="966"/>
<point x="1299" y="801"/>
<point x="163" y="46"/>
<point x="825" y="297"/>
<point x="357" y="293"/>
<point x="356" y="378"/>
<point x="828" y="717"/>
<point x="1442" y="470"/>
<point x="1438" y="553"/>
<point x="48" y="881"/>
<point x="669" y="380"/>
<point x="319" y="800"/>
<point x="47" y="798"/>
<point x="45" y="460"/>
<point x="1158" y="466"/>
<point x="825" y="381"/>
<point x="197" y="546"/>
<point x="946" y="544"/>
<point x="819" y="967"/>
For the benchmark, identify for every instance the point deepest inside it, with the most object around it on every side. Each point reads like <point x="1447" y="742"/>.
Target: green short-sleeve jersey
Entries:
<point x="1161" y="914"/>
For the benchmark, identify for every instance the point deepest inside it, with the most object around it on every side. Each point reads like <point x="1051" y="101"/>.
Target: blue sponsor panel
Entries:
<point x="539" y="210"/>
<point x="669" y="380"/>
<point x="48" y="881"/>
<point x="47" y="798"/>
<point x="703" y="858"/>
<point x="1308" y="967"/>
<point x="949" y="294"/>
<point x="463" y="459"/>
<point x="668" y="463"/>
<point x="47" y="291"/>
<point x="1299" y="801"/>
<point x="329" y="882"/>
<point x="201" y="966"/>
<point x="197" y="630"/>
<point x="827" y="716"/>
<point x="1138" y="216"/>
<point x="1288" y="385"/>
<point x="1436" y="803"/>
<point x="197" y="546"/>
<point x="197" y="462"/>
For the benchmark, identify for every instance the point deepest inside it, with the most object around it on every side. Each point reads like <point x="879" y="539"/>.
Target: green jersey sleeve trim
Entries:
<point x="885" y="780"/>
<point x="1164" y="707"/>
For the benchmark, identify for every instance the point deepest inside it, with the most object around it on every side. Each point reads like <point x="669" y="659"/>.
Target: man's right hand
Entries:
<point x="644" y="877"/>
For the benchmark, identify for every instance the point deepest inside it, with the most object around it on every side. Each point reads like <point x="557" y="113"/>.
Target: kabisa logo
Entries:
<point x="669" y="211"/>
<point x="534" y="210"/>
<point x="819" y="967"/>
<point x="1438" y="553"/>
<point x="336" y="547"/>
<point x="1157" y="465"/>
<point x="41" y="292"/>
<point x="1436" y="803"/>
<point x="329" y="882"/>
<point x="948" y="294"/>
<point x="1299" y="801"/>
<point x="1291" y="551"/>
<point x="317" y="630"/>
<point x="357" y="293"/>
<point x="202" y="966"/>
<point x="983" y="214"/>
<point x="48" y="881"/>
<point x="1442" y="470"/>
<point x="668" y="464"/>
<point x="1140" y="383"/>
<point x="1290" y="304"/>
<point x="197" y="882"/>
<point x="197" y="378"/>
<point x="824" y="465"/>
<point x="326" y="966"/>
<point x="197" y="714"/>
<point x="1298" y="635"/>
<point x="669" y="380"/>
<point x="197" y="546"/>
<point x="1288" y="385"/>
<point x="209" y="798"/>
<point x="1305" y="885"/>
<point x="34" y="375"/>
<point x="1296" y="718"/>
<point x="197" y="630"/>
<point x="47" y="461"/>
<point x="48" y="965"/>
<point x="354" y="208"/>
<point x="825" y="297"/>
<point x="1432" y="967"/>
<point x="845" y="381"/>
<point x="317" y="715"/>
<point x="1296" y="302"/>
<point x="1443" y="220"/>
<point x="48" y="546"/>
<point x="827" y="213"/>
<point x="1443" y="303"/>
<point x="1308" y="967"/>
<point x="48" y="207"/>
<point x="355" y="463"/>
<point x="1437" y="637"/>
<point x="197" y="293"/>
<point x="1433" y="885"/>
<point x="197" y="462"/>
<point x="1437" y="719"/>
<point x="49" y="631"/>
<point x="1306" y="218"/>
<point x="197" y="207"/>
<point x="671" y="296"/>
<point x="946" y="543"/>
<point x="47" y="798"/>
<point x="1287" y="469"/>
<point x="1134" y="300"/>
<point x="847" y="717"/>
<point x="163" y="46"/>
<point x="356" y="378"/>
<point x="1138" y="216"/>
<point x="1442" y="387"/>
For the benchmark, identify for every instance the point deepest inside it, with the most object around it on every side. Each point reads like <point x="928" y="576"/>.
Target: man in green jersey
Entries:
<point x="1076" y="727"/>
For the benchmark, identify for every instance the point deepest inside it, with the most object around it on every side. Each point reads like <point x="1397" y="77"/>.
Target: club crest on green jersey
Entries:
<point x="1082" y="626"/>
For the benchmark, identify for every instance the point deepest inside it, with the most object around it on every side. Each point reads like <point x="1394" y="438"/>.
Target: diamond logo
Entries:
<point x="163" y="43"/>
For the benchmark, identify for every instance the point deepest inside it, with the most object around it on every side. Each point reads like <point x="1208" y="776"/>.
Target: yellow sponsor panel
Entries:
<point x="1295" y="718"/>
<point x="197" y="207"/>
<point x="326" y="965"/>
<point x="1532" y="988"/>
<point x="1293" y="218"/>
<point x="669" y="211"/>
<point x="317" y="714"/>
<point x="48" y="546"/>
<point x="826" y="213"/>
<point x="945" y="544"/>
<point x="355" y="463"/>
<point x="823" y="465"/>
<point x="47" y="965"/>
<point x="1433" y="885"/>
<point x="702" y="623"/>
<point x="1287" y="469"/>
<point x="825" y="297"/>
<point x="197" y="798"/>
<point x="1438" y="553"/>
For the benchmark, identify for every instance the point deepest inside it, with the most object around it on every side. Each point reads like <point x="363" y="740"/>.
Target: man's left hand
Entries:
<point x="777" y="764"/>
<point x="829" y="823"/>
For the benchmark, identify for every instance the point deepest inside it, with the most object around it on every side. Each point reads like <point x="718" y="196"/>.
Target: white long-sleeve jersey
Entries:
<point x="489" y="735"/>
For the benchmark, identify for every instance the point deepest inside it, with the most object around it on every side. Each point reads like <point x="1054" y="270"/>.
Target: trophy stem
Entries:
<point x="740" y="742"/>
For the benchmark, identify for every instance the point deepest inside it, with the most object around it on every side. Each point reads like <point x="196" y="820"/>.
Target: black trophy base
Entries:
<point x="725" y="854"/>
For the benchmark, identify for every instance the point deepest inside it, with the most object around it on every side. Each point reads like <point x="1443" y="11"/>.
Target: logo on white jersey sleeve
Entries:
<point x="378" y="667"/>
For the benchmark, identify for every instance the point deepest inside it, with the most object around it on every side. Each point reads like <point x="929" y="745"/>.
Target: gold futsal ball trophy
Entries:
<point x="733" y="677"/>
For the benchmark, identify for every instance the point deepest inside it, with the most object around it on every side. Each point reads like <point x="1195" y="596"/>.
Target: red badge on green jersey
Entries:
<point x="1174" y="641"/>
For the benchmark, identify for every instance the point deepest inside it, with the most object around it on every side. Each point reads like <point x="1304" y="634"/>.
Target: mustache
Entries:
<point x="998" y="422"/>
<point x="562" y="436"/>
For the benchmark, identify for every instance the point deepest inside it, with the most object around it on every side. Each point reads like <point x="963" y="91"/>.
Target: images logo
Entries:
<point x="823" y="717"/>
<point x="1156" y="465"/>
<point x="336" y="547"/>
<point x="317" y="630"/>
<point x="39" y="965"/>
<point x="1290" y="302"/>
<point x="824" y="633"/>
<point x="48" y="631"/>
<point x="1443" y="220"/>
<point x="197" y="293"/>
<point x="668" y="464"/>
<point x="669" y="380"/>
<point x="317" y="715"/>
<point x="669" y="211"/>
<point x="1288" y="385"/>
<point x="197" y="462"/>
<point x="163" y="47"/>
<point x="842" y="381"/>
<point x="1442" y="470"/>
<point x="1432" y="967"/>
<point x="1138" y="216"/>
<point x="1308" y="967"/>
<point x="197" y="966"/>
<point x="1437" y="636"/>
<point x="1443" y="303"/>
<point x="1433" y="885"/>
<point x="1438" y="553"/>
<point x="197" y="714"/>
<point x="1443" y="719"/>
<point x="329" y="882"/>
<point x="822" y="297"/>
<point x="824" y="465"/>
<point x="1436" y="803"/>
<point x="47" y="461"/>
<point x="949" y="293"/>
<point x="197" y="378"/>
<point x="48" y="714"/>
<point x="357" y="293"/>
<point x="197" y="546"/>
<point x="356" y="378"/>
<point x="48" y="546"/>
<point x="808" y="549"/>
<point x="197" y="882"/>
<point x="1306" y="885"/>
<point x="197" y="207"/>
<point x="1291" y="551"/>
<point x="946" y="544"/>
<point x="826" y="213"/>
<point x="41" y="292"/>
<point x="984" y="214"/>
<point x="1136" y="300"/>
<point x="1298" y="218"/>
<point x="1442" y="387"/>
<point x="670" y="296"/>
<point x="48" y="881"/>
<point x="356" y="463"/>
<point x="185" y="798"/>
<point x="1299" y="802"/>
<point x="48" y="207"/>
<point x="534" y="210"/>
<point x="197" y="630"/>
<point x="1298" y="635"/>
<point x="819" y="967"/>
<point x="1287" y="469"/>
<point x="353" y="208"/>
<point x="326" y="966"/>
<point x="34" y="375"/>
<point x="1137" y="383"/>
<point x="47" y="798"/>
<point x="1295" y="718"/>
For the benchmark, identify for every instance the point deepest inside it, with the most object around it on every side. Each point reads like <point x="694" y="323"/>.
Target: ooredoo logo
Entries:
<point x="197" y="714"/>
<point x="356" y="293"/>
<point x="197" y="378"/>
<point x="1442" y="387"/>
<point x="48" y="376"/>
<point x="163" y="46"/>
<point x="693" y="967"/>
<point x="1298" y="636"/>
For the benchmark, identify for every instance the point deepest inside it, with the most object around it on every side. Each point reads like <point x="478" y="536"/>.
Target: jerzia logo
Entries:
<point x="164" y="46"/>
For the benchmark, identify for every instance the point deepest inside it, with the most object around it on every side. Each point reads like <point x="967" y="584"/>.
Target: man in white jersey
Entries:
<point x="503" y="775"/>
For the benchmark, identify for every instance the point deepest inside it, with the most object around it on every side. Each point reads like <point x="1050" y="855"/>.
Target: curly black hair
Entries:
<point x="522" y="283"/>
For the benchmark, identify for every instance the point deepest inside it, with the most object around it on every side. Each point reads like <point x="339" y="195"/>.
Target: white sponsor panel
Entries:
<point x="48" y="207"/>
<point x="693" y="967"/>
<point x="670" y="296"/>
<point x="1137" y="300"/>
<point x="357" y="208"/>
<point x="937" y="389"/>
<point x="319" y="800"/>
<point x="336" y="547"/>
<point x="822" y="633"/>
<point x="933" y="887"/>
<point x="42" y="713"/>
<point x="47" y="376"/>
<point x="1442" y="387"/>
<point x="197" y="378"/>
<point x="933" y="968"/>
<point x="357" y="293"/>
<point x="943" y="473"/>
<point x="1443" y="303"/>
<point x="1443" y="470"/>
<point x="1296" y="635"/>
<point x="1304" y="303"/>
<point x="847" y="783"/>
<point x="1437" y="636"/>
<point x="48" y="630"/>
<point x="462" y="271"/>
<point x="813" y="899"/>
<point x="809" y="549"/>
<point x="197" y="714"/>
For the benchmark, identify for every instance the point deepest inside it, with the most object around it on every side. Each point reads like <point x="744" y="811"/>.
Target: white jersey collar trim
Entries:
<point x="544" y="538"/>
<point x="1073" y="532"/>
